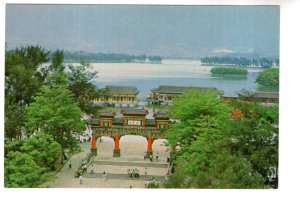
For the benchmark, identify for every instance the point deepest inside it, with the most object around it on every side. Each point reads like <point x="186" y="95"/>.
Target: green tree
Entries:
<point x="57" y="61"/>
<point x="45" y="151"/>
<point x="28" y="163"/>
<point x="79" y="82"/>
<point x="229" y="70"/>
<point x="55" y="112"/>
<point x="21" y="170"/>
<point x="23" y="78"/>
<point x="78" y="79"/>
<point x="204" y="159"/>
<point x="269" y="77"/>
<point x="255" y="136"/>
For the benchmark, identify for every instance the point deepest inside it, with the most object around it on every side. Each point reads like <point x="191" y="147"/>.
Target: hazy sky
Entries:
<point x="164" y="30"/>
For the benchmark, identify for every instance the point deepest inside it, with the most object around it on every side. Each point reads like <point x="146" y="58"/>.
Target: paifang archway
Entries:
<point x="132" y="122"/>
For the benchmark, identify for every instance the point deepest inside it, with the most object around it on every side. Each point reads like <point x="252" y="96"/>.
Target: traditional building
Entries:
<point x="258" y="96"/>
<point x="119" y="94"/>
<point x="166" y="94"/>
<point x="265" y="98"/>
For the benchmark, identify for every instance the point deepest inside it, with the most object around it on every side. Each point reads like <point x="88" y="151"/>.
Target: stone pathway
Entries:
<point x="132" y="152"/>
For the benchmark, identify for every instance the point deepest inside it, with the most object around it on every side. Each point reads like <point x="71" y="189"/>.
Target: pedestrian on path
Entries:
<point x="70" y="165"/>
<point x="145" y="171"/>
<point x="156" y="156"/>
<point x="80" y="179"/>
<point x="151" y="157"/>
<point x="92" y="169"/>
<point x="104" y="175"/>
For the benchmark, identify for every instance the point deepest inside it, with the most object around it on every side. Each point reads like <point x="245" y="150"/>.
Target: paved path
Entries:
<point x="65" y="177"/>
<point x="132" y="151"/>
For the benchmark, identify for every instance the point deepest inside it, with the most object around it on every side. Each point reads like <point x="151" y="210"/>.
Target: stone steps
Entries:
<point x="123" y="176"/>
<point x="127" y="163"/>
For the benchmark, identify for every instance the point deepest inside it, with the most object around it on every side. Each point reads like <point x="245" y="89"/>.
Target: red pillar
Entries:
<point x="116" y="141"/>
<point x="149" y="143"/>
<point x="94" y="139"/>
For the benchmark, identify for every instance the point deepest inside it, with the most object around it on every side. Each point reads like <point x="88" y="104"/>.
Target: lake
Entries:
<point x="147" y="76"/>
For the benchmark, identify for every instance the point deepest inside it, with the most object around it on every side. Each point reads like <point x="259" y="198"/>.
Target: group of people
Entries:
<point x="151" y="183"/>
<point x="151" y="156"/>
<point x="133" y="173"/>
<point x="84" y="166"/>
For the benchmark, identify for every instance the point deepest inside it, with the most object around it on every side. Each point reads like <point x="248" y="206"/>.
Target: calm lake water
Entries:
<point x="147" y="76"/>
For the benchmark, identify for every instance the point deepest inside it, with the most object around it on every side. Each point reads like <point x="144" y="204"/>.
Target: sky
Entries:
<point x="173" y="31"/>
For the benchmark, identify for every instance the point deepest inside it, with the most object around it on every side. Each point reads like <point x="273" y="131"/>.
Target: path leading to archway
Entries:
<point x="132" y="157"/>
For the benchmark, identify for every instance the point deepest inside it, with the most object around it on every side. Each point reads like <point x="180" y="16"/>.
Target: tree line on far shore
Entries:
<point x="240" y="61"/>
<point x="267" y="78"/>
<point x="108" y="57"/>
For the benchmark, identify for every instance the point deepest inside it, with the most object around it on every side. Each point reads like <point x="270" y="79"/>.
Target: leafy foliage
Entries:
<point x="229" y="70"/>
<point x="23" y="78"/>
<point x="204" y="159"/>
<point x="55" y="113"/>
<point x="255" y="136"/>
<point x="240" y="61"/>
<point x="108" y="57"/>
<point x="57" y="61"/>
<point x="28" y="163"/>
<point x="269" y="77"/>
<point x="79" y="82"/>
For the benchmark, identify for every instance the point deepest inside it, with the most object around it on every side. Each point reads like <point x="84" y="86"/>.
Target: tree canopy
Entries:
<point x="229" y="70"/>
<point x="42" y="112"/>
<point x="55" y="112"/>
<point x="23" y="79"/>
<point x="203" y="159"/>
<point x="28" y="163"/>
<point x="255" y="136"/>
<point x="269" y="77"/>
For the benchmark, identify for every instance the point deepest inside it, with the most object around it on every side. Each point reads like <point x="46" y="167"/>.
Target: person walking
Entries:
<point x="151" y="157"/>
<point x="104" y="175"/>
<point x="92" y="169"/>
<point x="156" y="156"/>
<point x="70" y="165"/>
<point x="145" y="171"/>
<point x="80" y="179"/>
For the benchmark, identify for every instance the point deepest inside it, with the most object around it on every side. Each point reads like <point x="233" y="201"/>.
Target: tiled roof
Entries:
<point x="106" y="113"/>
<point x="274" y="95"/>
<point x="178" y="89"/>
<point x="258" y="94"/>
<point x="162" y="114"/>
<point x="135" y="111"/>
<point x="121" y="90"/>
